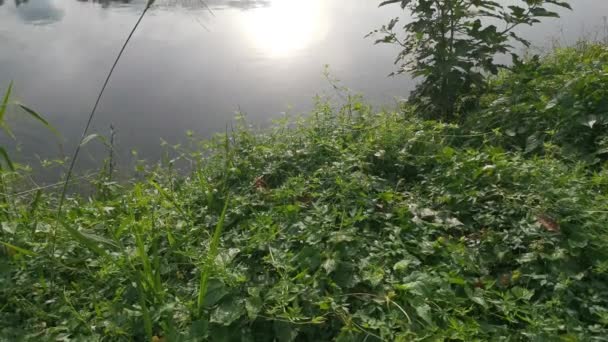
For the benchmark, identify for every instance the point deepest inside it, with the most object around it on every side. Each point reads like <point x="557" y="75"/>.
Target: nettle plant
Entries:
<point x="452" y="45"/>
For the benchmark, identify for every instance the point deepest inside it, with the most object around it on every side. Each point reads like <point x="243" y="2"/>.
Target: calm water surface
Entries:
<point x="189" y="68"/>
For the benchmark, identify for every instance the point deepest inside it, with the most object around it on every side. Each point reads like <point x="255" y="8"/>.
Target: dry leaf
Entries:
<point x="548" y="223"/>
<point x="479" y="284"/>
<point x="505" y="279"/>
<point x="260" y="183"/>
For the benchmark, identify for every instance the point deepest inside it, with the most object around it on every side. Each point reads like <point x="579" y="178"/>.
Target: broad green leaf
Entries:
<point x="543" y="12"/>
<point x="216" y="290"/>
<point x="424" y="311"/>
<point x="457" y="281"/>
<point x="551" y="104"/>
<point x="533" y="142"/>
<point x="406" y="263"/>
<point x="253" y="305"/>
<point x="479" y="300"/>
<point x="228" y="312"/>
<point x="284" y="331"/>
<point x="9" y="227"/>
<point x="522" y="293"/>
<point x="560" y="3"/>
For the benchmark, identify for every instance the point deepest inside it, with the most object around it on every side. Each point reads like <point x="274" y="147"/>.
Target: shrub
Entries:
<point x="452" y="44"/>
<point x="559" y="100"/>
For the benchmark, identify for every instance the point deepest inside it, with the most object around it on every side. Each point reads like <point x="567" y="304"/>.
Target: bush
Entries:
<point x="559" y="100"/>
<point x="451" y="45"/>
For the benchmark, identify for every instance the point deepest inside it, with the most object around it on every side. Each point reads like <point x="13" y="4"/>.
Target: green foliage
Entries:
<point x="348" y="225"/>
<point x="559" y="101"/>
<point x="452" y="44"/>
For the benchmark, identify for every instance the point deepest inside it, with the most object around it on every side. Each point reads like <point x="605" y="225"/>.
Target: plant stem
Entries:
<point x="84" y="134"/>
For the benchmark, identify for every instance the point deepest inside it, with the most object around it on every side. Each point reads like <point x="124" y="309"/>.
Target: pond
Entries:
<point x="191" y="67"/>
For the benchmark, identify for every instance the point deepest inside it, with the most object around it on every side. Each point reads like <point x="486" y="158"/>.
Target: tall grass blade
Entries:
<point x="211" y="255"/>
<point x="156" y="270"/>
<point x="35" y="203"/>
<point x="7" y="159"/>
<point x="17" y="249"/>
<point x="88" y="139"/>
<point x="143" y="256"/>
<point x="3" y="107"/>
<point x="145" y="312"/>
<point x="33" y="113"/>
<point x="38" y="117"/>
<point x="4" y="104"/>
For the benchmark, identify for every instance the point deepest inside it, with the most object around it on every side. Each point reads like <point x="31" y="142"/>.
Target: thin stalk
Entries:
<point x="111" y="157"/>
<point x="99" y="96"/>
<point x="86" y="129"/>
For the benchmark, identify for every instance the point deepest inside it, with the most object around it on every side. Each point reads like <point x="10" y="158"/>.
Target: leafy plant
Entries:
<point x="452" y="45"/>
<point x="557" y="104"/>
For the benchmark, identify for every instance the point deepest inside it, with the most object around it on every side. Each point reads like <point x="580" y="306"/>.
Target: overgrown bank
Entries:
<point x="347" y="225"/>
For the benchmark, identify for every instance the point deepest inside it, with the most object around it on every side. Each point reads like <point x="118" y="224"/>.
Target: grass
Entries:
<point x="348" y="224"/>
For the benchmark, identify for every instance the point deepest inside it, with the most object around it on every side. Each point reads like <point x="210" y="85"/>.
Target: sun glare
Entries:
<point x="286" y="26"/>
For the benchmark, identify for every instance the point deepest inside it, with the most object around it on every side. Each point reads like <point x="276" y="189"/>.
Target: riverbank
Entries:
<point x="348" y="224"/>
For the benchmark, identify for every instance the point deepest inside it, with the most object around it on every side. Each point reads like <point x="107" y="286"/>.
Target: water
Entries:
<point x="191" y="68"/>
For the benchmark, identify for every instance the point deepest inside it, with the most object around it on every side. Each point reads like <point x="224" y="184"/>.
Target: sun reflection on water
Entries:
<point x="286" y="26"/>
